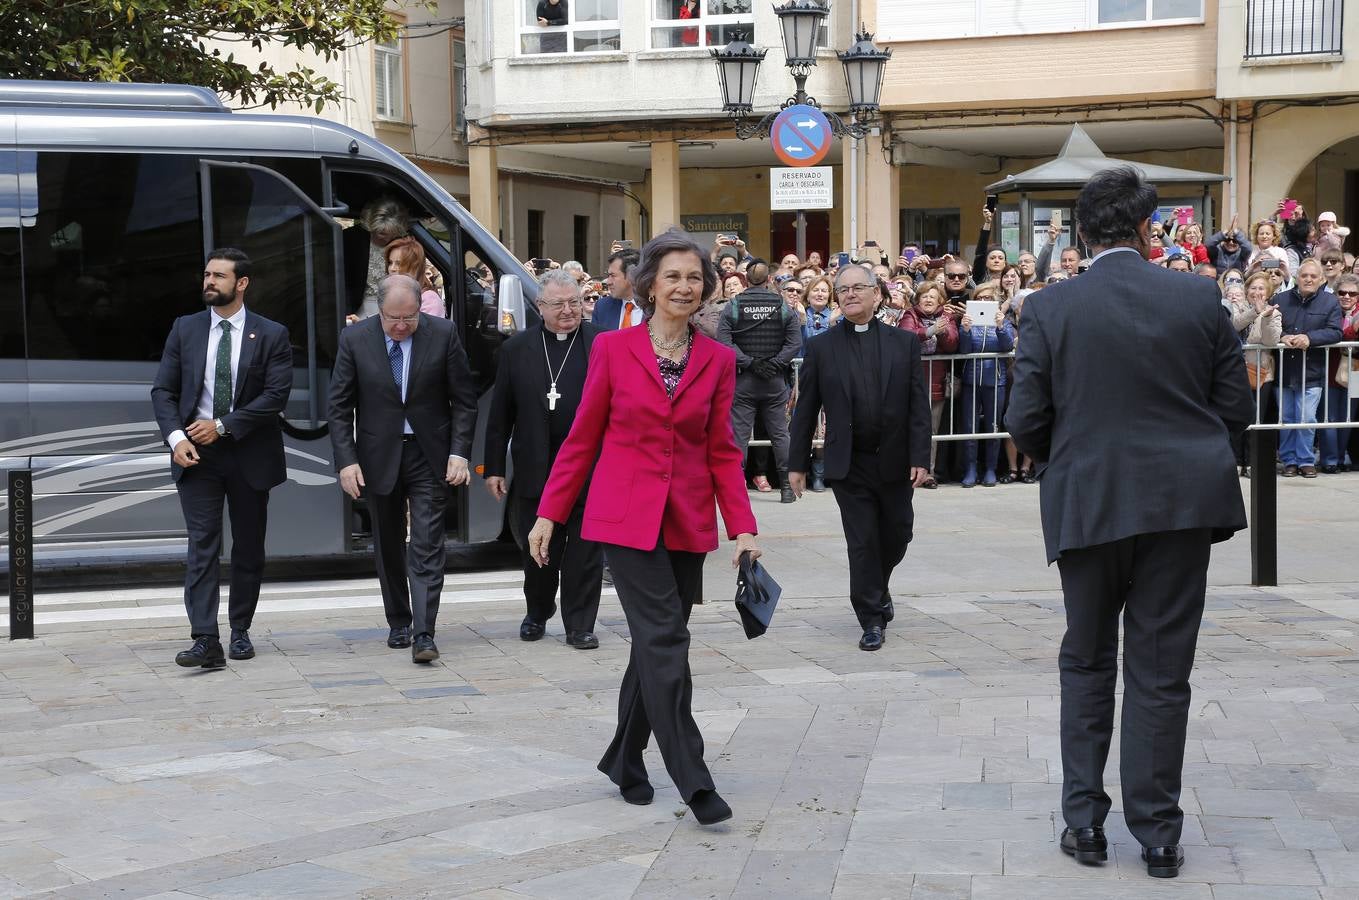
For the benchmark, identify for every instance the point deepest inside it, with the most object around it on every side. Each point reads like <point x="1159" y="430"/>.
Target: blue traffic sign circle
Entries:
<point x="801" y="136"/>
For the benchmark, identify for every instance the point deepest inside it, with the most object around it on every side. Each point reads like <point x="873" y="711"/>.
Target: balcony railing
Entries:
<point x="1294" y="28"/>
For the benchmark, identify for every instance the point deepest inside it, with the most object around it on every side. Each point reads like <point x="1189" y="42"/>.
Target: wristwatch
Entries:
<point x="221" y="429"/>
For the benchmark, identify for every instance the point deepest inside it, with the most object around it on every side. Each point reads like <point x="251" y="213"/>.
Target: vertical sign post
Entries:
<point x="20" y="555"/>
<point x="800" y="136"/>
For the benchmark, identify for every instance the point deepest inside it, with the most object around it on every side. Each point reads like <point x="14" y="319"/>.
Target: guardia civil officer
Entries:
<point x="766" y="336"/>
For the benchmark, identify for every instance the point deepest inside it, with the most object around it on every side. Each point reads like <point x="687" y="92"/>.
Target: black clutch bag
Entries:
<point x="756" y="596"/>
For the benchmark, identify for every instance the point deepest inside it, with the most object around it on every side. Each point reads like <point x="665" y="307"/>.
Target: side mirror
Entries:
<point x="511" y="305"/>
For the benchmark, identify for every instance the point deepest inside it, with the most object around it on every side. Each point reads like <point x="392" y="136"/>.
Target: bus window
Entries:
<point x="292" y="250"/>
<point x="113" y="256"/>
<point x="11" y="267"/>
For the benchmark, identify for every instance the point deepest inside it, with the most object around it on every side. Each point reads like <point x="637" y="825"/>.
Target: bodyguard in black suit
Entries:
<point x="223" y="380"/>
<point x="867" y="376"/>
<point x="405" y="377"/>
<point x="1128" y="387"/>
<point x="538" y="386"/>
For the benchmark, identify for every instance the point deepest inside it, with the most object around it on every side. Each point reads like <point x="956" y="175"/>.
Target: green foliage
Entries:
<point x="168" y="41"/>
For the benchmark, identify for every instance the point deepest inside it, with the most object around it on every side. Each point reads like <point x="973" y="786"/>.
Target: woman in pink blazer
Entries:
<point x="656" y="413"/>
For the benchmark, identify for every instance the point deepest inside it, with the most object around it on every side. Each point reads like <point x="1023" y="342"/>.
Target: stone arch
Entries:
<point x="1286" y="144"/>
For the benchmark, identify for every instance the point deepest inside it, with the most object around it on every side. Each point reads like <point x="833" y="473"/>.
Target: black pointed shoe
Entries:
<point x="872" y="639"/>
<point x="709" y="807"/>
<point x="240" y="646"/>
<point x="205" y="653"/>
<point x="423" y="650"/>
<point x="1088" y="845"/>
<point x="639" y="794"/>
<point x="582" y="640"/>
<point x="1163" y="862"/>
<point x="530" y="630"/>
<point x="399" y="637"/>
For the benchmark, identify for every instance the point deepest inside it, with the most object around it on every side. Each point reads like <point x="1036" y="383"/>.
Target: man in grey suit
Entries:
<point x="1129" y="385"/>
<point x="404" y="376"/>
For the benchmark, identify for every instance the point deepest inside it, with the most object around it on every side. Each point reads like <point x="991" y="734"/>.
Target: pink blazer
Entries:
<point x="662" y="462"/>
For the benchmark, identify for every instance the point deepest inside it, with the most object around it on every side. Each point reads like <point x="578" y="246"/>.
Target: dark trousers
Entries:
<point x="203" y="491"/>
<point x="576" y="563"/>
<point x="981" y="407"/>
<point x="1157" y="582"/>
<point x="657" y="589"/>
<point x="767" y="399"/>
<point x="878" y="521"/>
<point x="412" y="579"/>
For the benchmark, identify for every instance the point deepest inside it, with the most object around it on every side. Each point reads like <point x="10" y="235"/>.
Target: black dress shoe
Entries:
<point x="1088" y="845"/>
<point x="872" y="639"/>
<point x="399" y="637"/>
<point x="1330" y="470"/>
<point x="582" y="640"/>
<point x="240" y="646"/>
<point x="709" y="807"/>
<point x="423" y="650"/>
<point x="818" y="483"/>
<point x="1163" y="862"/>
<point x="205" y="653"/>
<point x="640" y="794"/>
<point x="530" y="630"/>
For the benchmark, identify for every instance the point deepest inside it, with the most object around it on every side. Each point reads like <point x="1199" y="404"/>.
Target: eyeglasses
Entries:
<point x="1235" y="281"/>
<point x="559" y="305"/>
<point x="1332" y="262"/>
<point x="955" y="275"/>
<point x="844" y="289"/>
<point x="1347" y="293"/>
<point x="789" y="289"/>
<point x="405" y="320"/>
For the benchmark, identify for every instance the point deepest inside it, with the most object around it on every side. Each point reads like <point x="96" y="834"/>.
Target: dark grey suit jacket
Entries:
<point x="264" y="377"/>
<point x="1129" y="384"/>
<point x="441" y="401"/>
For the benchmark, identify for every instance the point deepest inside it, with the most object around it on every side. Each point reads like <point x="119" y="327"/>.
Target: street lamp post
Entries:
<point x="800" y="21"/>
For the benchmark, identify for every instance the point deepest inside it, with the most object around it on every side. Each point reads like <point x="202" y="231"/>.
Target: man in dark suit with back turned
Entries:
<point x="404" y="376"/>
<point x="1128" y="387"/>
<point x="224" y="379"/>
<point x="868" y="378"/>
<point x="539" y="381"/>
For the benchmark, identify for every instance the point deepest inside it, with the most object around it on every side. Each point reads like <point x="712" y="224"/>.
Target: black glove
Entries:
<point x="765" y="368"/>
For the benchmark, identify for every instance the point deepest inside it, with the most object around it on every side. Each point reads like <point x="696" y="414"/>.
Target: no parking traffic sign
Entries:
<point x="801" y="136"/>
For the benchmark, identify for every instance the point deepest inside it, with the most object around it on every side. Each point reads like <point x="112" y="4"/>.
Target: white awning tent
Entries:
<point x="1080" y="159"/>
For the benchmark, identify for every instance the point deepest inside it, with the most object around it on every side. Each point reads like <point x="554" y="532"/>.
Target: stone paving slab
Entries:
<point x="330" y="766"/>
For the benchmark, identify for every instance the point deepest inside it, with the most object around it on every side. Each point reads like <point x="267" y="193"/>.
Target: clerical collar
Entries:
<point x="862" y="328"/>
<point x="562" y="335"/>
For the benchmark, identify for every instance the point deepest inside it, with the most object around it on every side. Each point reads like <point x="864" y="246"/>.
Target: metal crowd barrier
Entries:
<point x="1262" y="434"/>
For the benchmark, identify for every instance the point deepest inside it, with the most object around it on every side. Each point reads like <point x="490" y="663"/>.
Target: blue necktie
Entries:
<point x="394" y="357"/>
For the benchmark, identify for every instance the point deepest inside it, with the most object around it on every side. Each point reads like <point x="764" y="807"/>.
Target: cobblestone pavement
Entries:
<point x="331" y="766"/>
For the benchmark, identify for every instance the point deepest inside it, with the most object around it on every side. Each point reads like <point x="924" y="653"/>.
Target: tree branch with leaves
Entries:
<point x="189" y="42"/>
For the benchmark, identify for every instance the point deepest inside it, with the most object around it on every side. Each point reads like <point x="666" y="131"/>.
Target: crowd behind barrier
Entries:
<point x="1286" y="281"/>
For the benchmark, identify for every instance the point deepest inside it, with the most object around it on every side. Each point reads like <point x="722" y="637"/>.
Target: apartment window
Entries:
<point x="580" y="237"/>
<point x="683" y="24"/>
<point x="568" y="26"/>
<point x="536" y="218"/>
<point x="389" y="81"/>
<point x="1111" y="12"/>
<point x="458" y="79"/>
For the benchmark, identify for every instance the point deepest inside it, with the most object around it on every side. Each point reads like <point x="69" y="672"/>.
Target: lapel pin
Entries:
<point x="252" y="335"/>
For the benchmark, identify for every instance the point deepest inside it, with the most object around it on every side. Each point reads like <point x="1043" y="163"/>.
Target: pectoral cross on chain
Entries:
<point x="553" y="397"/>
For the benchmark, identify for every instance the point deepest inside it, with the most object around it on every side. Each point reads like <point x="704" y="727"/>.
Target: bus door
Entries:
<point x="14" y="423"/>
<point x="295" y="279"/>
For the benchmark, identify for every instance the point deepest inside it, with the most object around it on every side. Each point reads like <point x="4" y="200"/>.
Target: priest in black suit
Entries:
<point x="403" y="409"/>
<point x="538" y="385"/>
<point x="1128" y="389"/>
<point x="868" y="378"/>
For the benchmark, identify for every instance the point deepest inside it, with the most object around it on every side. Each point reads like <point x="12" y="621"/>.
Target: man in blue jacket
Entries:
<point x="619" y="308"/>
<point x="1311" y="319"/>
